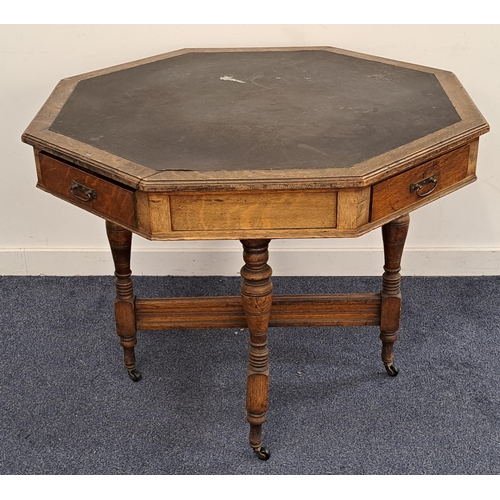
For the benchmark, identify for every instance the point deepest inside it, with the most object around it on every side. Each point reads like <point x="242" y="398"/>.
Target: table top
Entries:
<point x="313" y="116"/>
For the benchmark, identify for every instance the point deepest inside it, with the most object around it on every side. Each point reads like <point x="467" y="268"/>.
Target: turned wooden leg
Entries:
<point x="256" y="292"/>
<point x="120" y="241"/>
<point x="394" y="236"/>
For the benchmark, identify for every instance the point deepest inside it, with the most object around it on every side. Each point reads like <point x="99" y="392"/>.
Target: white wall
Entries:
<point x="39" y="234"/>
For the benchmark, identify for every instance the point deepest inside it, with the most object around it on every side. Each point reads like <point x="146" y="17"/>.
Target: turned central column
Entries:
<point x="256" y="290"/>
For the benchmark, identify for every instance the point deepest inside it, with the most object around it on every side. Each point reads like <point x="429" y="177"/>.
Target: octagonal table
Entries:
<point x="252" y="145"/>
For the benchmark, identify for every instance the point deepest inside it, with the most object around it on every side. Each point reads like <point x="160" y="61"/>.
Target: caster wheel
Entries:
<point x="135" y="374"/>
<point x="263" y="453"/>
<point x="391" y="369"/>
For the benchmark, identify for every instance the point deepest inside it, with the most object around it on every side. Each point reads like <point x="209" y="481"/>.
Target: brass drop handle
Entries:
<point x="419" y="185"/>
<point x="81" y="192"/>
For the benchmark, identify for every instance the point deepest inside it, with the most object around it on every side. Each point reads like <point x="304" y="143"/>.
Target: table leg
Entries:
<point x="394" y="236"/>
<point x="256" y="292"/>
<point x="120" y="241"/>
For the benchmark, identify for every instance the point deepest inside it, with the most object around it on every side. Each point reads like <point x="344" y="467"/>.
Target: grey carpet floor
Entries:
<point x="68" y="407"/>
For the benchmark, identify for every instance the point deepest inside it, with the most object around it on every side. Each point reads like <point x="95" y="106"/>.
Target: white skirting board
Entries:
<point x="227" y="262"/>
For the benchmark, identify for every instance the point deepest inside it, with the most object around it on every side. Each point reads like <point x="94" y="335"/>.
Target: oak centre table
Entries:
<point x="253" y="145"/>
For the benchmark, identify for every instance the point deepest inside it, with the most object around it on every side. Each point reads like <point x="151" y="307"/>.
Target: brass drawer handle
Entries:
<point x="419" y="185"/>
<point x="81" y="192"/>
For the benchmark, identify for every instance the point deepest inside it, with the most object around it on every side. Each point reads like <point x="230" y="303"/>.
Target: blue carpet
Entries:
<point x="68" y="406"/>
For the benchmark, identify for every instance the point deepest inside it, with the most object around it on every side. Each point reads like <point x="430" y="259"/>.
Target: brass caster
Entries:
<point x="135" y="374"/>
<point x="391" y="369"/>
<point x="262" y="453"/>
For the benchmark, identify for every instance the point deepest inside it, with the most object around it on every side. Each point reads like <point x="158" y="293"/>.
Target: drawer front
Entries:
<point x="253" y="210"/>
<point x="86" y="190"/>
<point x="420" y="184"/>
